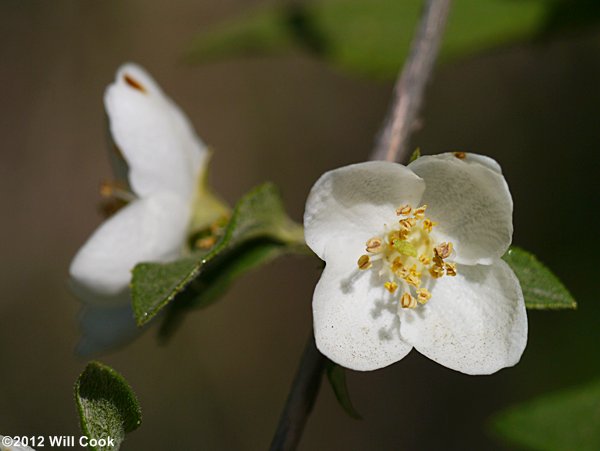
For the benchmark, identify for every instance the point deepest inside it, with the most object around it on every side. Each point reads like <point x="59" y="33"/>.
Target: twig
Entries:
<point x="301" y="399"/>
<point x="392" y="144"/>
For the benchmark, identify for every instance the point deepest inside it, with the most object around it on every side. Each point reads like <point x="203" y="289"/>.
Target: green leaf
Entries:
<point x="337" y="378"/>
<point x="541" y="288"/>
<point x="258" y="227"/>
<point x="368" y="36"/>
<point x="263" y="32"/>
<point x="563" y="421"/>
<point x="106" y="404"/>
<point x="217" y="277"/>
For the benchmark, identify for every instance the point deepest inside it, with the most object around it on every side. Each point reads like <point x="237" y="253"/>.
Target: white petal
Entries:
<point x="469" y="157"/>
<point x="354" y="323"/>
<point x="106" y="328"/>
<point x="486" y="161"/>
<point x="471" y="204"/>
<point x="359" y="198"/>
<point x="474" y="323"/>
<point x="157" y="141"/>
<point x="151" y="229"/>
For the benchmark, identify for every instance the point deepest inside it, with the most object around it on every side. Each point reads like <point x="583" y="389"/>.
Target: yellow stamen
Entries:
<point x="450" y="269"/>
<point x="407" y="301"/>
<point x="414" y="277"/>
<point x="364" y="262"/>
<point x="206" y="242"/>
<point x="116" y="190"/>
<point x="428" y="224"/>
<point x="436" y="272"/>
<point x="404" y="210"/>
<point x="420" y="212"/>
<point x="397" y="265"/>
<point x="460" y="155"/>
<point x="394" y="236"/>
<point x="408" y="257"/>
<point x="391" y="286"/>
<point x="443" y="250"/>
<point x="407" y="224"/>
<point x="423" y="295"/>
<point x="402" y="273"/>
<point x="413" y="280"/>
<point x="106" y="189"/>
<point x="413" y="271"/>
<point x="374" y="245"/>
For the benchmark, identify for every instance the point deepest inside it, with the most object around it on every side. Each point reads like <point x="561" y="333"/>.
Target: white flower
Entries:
<point x="413" y="260"/>
<point x="165" y="160"/>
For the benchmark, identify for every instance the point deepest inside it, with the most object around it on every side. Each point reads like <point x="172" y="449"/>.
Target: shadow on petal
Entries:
<point x="105" y="329"/>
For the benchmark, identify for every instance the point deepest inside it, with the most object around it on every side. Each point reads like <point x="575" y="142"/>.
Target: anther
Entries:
<point x="407" y="301"/>
<point x="206" y="242"/>
<point x="394" y="236"/>
<point x="436" y="271"/>
<point x="423" y="295"/>
<point x="443" y="250"/>
<point x="391" y="286"/>
<point x="460" y="155"/>
<point x="420" y="212"/>
<point x="374" y="245"/>
<point x="364" y="262"/>
<point x="405" y="224"/>
<point x="134" y="83"/>
<point x="107" y="189"/>
<point x="116" y="190"/>
<point x="414" y="277"/>
<point x="413" y="280"/>
<point x="404" y="210"/>
<point x="428" y="224"/>
<point x="402" y="273"/>
<point x="450" y="269"/>
<point x="397" y="265"/>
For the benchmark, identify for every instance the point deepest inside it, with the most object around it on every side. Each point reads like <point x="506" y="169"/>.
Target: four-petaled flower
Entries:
<point x="413" y="259"/>
<point x="165" y="162"/>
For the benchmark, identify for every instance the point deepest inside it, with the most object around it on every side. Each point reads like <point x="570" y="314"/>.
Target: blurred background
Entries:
<point x="221" y="382"/>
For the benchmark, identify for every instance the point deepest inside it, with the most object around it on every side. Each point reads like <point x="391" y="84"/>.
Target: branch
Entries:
<point x="301" y="399"/>
<point x="392" y="146"/>
<point x="393" y="141"/>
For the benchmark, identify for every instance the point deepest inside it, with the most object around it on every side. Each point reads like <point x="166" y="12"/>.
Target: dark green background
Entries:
<point x="221" y="382"/>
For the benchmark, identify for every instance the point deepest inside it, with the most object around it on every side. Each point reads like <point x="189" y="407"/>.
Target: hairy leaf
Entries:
<point x="106" y="404"/>
<point x="541" y="288"/>
<point x="257" y="226"/>
<point x="217" y="277"/>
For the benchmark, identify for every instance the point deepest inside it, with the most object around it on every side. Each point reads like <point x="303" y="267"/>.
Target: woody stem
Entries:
<point x="392" y="145"/>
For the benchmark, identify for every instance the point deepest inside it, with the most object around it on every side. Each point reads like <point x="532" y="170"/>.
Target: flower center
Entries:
<point x="407" y="258"/>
